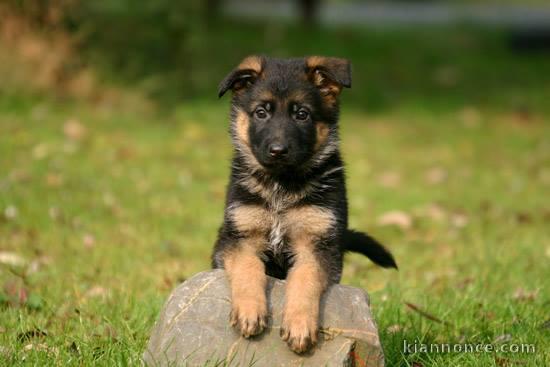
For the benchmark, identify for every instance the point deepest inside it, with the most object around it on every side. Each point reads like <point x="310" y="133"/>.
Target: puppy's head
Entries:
<point x="284" y="111"/>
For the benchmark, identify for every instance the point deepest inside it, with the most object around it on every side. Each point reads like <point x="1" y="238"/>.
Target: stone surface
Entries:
<point x="193" y="329"/>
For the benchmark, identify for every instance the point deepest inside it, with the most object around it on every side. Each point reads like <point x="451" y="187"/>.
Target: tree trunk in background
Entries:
<point x="309" y="10"/>
<point x="212" y="11"/>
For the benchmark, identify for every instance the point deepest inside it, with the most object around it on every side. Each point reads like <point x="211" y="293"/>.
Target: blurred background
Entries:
<point x="490" y="52"/>
<point x="114" y="156"/>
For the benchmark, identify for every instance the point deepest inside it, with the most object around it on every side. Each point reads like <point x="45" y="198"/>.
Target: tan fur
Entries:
<point x="252" y="63"/>
<point x="329" y="90"/>
<point x="266" y="95"/>
<point x="306" y="283"/>
<point x="306" y="280"/>
<point x="242" y="140"/>
<point x="246" y="273"/>
<point x="308" y="220"/>
<point x="251" y="219"/>
<point x="322" y="134"/>
<point x="315" y="61"/>
<point x="276" y="198"/>
<point x="242" y="123"/>
<point x="298" y="96"/>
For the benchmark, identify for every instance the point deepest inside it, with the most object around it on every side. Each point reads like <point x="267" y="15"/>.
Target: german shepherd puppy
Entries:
<point x="286" y="212"/>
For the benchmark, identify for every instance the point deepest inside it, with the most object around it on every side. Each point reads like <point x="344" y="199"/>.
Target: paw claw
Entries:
<point x="249" y="318"/>
<point x="300" y="334"/>
<point x="233" y="318"/>
<point x="284" y="334"/>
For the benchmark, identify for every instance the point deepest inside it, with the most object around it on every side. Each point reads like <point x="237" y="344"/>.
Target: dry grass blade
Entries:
<point x="426" y="314"/>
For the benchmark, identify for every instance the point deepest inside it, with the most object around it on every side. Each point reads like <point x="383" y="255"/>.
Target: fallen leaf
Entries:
<point x="12" y="259"/>
<point x="11" y="212"/>
<point x="125" y="153"/>
<point x="19" y="176"/>
<point x="435" y="175"/>
<point x="433" y="211"/>
<point x="96" y="291"/>
<point x="459" y="220"/>
<point x="396" y="218"/>
<point x="390" y="179"/>
<point x="88" y="240"/>
<point x="74" y="129"/>
<point x="524" y="218"/>
<point x="41" y="347"/>
<point x="54" y="180"/>
<point x="520" y="294"/>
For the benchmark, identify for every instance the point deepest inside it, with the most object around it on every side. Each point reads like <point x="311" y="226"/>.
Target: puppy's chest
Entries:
<point x="280" y="228"/>
<point x="277" y="230"/>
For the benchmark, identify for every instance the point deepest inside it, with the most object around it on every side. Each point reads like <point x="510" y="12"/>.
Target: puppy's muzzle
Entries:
<point x="278" y="151"/>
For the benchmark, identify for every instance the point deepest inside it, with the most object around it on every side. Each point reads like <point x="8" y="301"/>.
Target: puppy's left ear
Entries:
<point x="329" y="74"/>
<point x="242" y="76"/>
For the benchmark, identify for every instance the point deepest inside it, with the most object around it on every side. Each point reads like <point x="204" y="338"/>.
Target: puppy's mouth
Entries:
<point x="276" y="164"/>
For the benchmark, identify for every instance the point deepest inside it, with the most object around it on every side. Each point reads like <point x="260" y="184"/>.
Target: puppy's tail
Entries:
<point x="364" y="244"/>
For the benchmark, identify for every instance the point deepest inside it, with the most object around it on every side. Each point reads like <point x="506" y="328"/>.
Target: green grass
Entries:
<point x="149" y="190"/>
<point x="109" y="222"/>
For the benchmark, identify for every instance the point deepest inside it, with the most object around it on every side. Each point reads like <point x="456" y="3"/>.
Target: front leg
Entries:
<point x="246" y="273"/>
<point x="306" y="282"/>
<point x="316" y="262"/>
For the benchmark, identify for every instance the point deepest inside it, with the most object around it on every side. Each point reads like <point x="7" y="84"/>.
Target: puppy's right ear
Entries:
<point x="243" y="76"/>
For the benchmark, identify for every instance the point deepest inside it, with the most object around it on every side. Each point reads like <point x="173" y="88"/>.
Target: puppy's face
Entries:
<point x="285" y="110"/>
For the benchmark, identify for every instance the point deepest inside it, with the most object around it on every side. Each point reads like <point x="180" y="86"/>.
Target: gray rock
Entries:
<point x="193" y="329"/>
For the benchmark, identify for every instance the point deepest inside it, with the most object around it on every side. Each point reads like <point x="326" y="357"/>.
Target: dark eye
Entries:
<point x="302" y="115"/>
<point x="260" y="113"/>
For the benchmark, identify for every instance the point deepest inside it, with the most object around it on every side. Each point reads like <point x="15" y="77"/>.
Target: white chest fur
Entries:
<point x="276" y="234"/>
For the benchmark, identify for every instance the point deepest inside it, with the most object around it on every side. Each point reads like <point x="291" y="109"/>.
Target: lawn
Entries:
<point x="104" y="210"/>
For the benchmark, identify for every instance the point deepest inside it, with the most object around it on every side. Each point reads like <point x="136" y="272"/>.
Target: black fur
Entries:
<point x="368" y="246"/>
<point x="306" y="175"/>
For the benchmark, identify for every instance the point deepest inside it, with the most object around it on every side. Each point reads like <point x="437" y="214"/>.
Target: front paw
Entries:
<point x="299" y="330"/>
<point x="249" y="316"/>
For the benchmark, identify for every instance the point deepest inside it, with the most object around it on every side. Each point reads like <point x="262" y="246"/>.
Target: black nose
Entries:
<point x="278" y="150"/>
